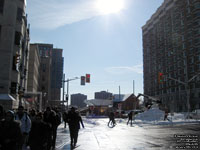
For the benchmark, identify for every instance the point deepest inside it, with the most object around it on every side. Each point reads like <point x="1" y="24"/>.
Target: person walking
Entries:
<point x="65" y="118"/>
<point x="25" y="125"/>
<point x="50" y="117"/>
<point x="74" y="120"/>
<point x="112" y="119"/>
<point x="38" y="134"/>
<point x="130" y="117"/>
<point x="10" y="133"/>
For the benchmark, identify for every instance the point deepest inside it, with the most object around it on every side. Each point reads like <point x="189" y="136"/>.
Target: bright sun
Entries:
<point x="109" y="6"/>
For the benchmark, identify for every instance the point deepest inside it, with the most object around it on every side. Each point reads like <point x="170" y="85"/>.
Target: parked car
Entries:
<point x="195" y="114"/>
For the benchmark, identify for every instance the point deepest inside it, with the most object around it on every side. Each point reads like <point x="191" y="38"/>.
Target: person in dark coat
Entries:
<point x="65" y="118"/>
<point x="10" y="133"/>
<point x="38" y="134"/>
<point x="74" y="120"/>
<point x="50" y="117"/>
<point x="130" y="117"/>
<point x="2" y="113"/>
<point x="111" y="119"/>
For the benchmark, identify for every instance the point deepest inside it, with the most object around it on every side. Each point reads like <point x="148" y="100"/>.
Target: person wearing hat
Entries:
<point x="10" y="132"/>
<point x="74" y="120"/>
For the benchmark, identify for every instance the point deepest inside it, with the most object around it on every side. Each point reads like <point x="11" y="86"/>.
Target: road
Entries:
<point x="98" y="136"/>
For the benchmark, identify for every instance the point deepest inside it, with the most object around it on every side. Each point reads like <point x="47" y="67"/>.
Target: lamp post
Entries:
<point x="67" y="96"/>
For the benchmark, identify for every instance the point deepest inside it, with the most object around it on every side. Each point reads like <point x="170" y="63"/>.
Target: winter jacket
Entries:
<point x="10" y="135"/>
<point x="25" y="123"/>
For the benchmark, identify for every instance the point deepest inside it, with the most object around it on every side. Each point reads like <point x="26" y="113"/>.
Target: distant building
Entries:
<point x="171" y="45"/>
<point x="56" y="73"/>
<point x="33" y="85"/>
<point x="51" y="71"/>
<point x="99" y="107"/>
<point x="78" y="100"/>
<point x="125" y="102"/>
<point x="103" y="95"/>
<point x="14" y="52"/>
<point x="45" y="72"/>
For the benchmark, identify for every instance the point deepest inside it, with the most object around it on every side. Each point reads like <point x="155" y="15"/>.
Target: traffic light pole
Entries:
<point x="67" y="97"/>
<point x="187" y="88"/>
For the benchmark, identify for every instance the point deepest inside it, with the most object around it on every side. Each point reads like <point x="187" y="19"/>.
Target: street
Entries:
<point x="98" y="136"/>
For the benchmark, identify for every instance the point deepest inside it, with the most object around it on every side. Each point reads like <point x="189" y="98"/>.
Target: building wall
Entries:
<point x="14" y="39"/>
<point x="56" y="73"/>
<point x="171" y="45"/>
<point x="78" y="100"/>
<point x="103" y="95"/>
<point x="33" y="69"/>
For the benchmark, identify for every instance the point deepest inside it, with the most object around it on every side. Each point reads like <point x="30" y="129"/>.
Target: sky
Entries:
<point x="105" y="42"/>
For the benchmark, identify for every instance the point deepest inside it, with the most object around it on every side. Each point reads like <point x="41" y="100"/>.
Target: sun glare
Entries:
<point x="109" y="6"/>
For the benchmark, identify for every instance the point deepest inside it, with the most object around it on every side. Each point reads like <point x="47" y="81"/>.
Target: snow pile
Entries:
<point x="153" y="114"/>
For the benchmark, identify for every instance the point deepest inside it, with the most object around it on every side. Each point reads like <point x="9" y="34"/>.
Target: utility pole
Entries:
<point x="133" y="87"/>
<point x="63" y="87"/>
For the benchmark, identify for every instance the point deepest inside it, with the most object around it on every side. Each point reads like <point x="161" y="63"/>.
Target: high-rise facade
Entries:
<point x="51" y="72"/>
<point x="14" y="52"/>
<point x="171" y="45"/>
<point x="56" y="73"/>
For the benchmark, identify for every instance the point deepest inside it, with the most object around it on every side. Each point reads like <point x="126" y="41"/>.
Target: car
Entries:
<point x="195" y="114"/>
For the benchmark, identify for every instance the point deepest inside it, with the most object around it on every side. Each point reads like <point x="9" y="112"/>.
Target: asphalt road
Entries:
<point x="98" y="136"/>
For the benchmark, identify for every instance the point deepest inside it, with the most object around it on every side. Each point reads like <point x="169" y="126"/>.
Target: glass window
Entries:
<point x="197" y="5"/>
<point x="20" y="14"/>
<point x="17" y="38"/>
<point x="1" y="6"/>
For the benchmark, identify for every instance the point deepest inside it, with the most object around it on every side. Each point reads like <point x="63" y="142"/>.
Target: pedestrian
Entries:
<point x="25" y="125"/>
<point x="112" y="119"/>
<point x="130" y="117"/>
<point x="2" y="112"/>
<point x="39" y="133"/>
<point x="74" y="120"/>
<point x="32" y="114"/>
<point x="51" y="118"/>
<point x="10" y="133"/>
<point x="65" y="118"/>
<point x="166" y="115"/>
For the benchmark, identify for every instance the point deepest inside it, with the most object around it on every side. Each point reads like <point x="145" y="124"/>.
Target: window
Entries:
<point x="17" y="38"/>
<point x="197" y="5"/>
<point x="1" y="6"/>
<point x="13" y="88"/>
<point x="20" y="14"/>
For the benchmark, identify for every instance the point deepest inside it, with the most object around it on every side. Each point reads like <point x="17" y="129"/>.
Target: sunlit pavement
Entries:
<point x="98" y="136"/>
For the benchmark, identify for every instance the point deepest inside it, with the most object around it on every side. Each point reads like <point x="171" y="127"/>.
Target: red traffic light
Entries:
<point x="87" y="78"/>
<point x="160" y="77"/>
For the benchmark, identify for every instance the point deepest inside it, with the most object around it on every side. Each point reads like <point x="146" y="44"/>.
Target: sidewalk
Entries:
<point x="87" y="140"/>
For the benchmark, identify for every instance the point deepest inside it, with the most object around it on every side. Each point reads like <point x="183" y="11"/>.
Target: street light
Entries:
<point x="67" y="99"/>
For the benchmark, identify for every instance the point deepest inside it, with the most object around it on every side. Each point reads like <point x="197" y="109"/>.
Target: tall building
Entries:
<point x="51" y="73"/>
<point x="14" y="51"/>
<point x="33" y="86"/>
<point x="78" y="100"/>
<point x="45" y="72"/>
<point x="171" y="45"/>
<point x="56" y="73"/>
<point x="102" y="95"/>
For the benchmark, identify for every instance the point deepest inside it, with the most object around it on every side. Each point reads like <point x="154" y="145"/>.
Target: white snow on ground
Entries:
<point x="153" y="116"/>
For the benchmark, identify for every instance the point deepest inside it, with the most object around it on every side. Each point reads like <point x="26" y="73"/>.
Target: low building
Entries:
<point x="99" y="107"/>
<point x="78" y="100"/>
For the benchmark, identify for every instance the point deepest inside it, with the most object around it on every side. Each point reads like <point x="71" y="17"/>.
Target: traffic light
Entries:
<point x="82" y="80"/>
<point x="17" y="58"/>
<point x="160" y="77"/>
<point x="87" y="78"/>
<point x="66" y="98"/>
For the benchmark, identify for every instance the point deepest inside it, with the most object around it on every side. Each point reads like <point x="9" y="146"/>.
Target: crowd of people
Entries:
<point x="21" y="129"/>
<point x="37" y="130"/>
